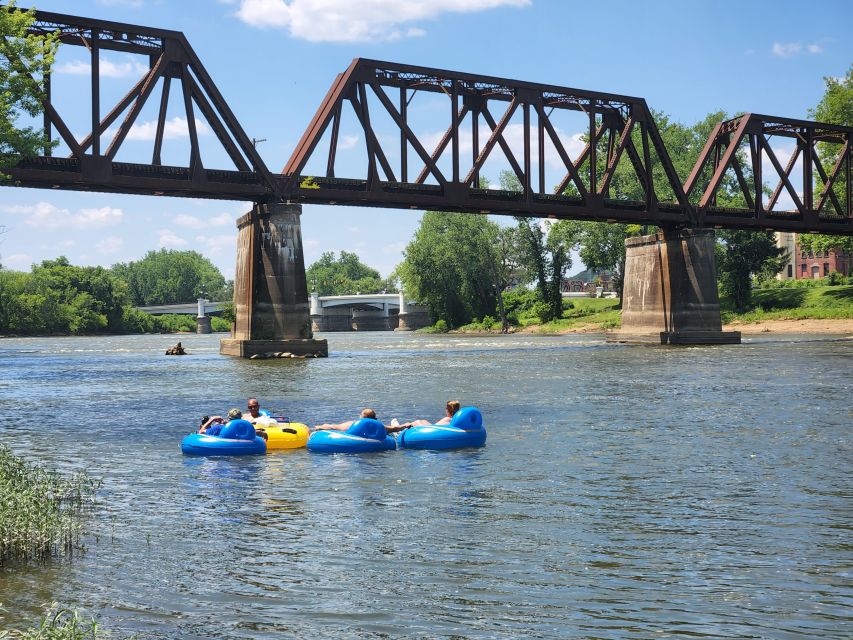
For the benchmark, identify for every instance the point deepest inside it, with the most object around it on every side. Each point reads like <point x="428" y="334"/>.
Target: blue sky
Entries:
<point x="274" y="60"/>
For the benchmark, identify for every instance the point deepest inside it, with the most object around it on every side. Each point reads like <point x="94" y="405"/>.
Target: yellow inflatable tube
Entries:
<point x="284" y="435"/>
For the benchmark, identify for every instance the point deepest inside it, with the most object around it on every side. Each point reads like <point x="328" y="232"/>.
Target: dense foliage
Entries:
<point x="24" y="61"/>
<point x="452" y="265"/>
<point x="346" y="275"/>
<point x="57" y="297"/>
<point x="169" y="276"/>
<point x="836" y="107"/>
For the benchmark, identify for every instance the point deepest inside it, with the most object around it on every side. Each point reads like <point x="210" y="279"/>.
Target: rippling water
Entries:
<point x="624" y="492"/>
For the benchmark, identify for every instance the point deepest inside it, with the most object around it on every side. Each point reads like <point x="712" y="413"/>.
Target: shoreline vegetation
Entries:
<point x="813" y="307"/>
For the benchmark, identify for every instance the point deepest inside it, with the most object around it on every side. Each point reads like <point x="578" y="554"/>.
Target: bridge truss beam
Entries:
<point x="172" y="66"/>
<point x="821" y="197"/>
<point x="621" y="127"/>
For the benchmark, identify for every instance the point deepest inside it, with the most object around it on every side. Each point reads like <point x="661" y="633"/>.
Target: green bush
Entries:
<point x="440" y="326"/>
<point x="220" y="325"/>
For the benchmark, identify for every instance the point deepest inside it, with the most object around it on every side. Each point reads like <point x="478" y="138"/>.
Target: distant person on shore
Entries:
<point x="343" y="426"/>
<point x="450" y="409"/>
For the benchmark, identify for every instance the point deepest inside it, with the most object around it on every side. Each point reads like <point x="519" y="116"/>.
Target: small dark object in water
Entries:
<point x="177" y="350"/>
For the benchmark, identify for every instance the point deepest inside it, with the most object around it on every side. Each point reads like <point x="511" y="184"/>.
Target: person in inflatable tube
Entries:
<point x="450" y="408"/>
<point x="214" y="425"/>
<point x="343" y="426"/>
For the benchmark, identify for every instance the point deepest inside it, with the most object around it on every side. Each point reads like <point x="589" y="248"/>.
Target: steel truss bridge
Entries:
<point x="446" y="174"/>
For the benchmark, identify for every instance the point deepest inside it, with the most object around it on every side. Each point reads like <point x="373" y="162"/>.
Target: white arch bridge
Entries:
<point x="366" y="312"/>
<point x="358" y="312"/>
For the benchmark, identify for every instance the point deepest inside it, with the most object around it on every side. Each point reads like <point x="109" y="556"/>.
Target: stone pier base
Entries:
<point x="413" y="320"/>
<point x="270" y="292"/>
<point x="670" y="291"/>
<point x="248" y="348"/>
<point x="202" y="324"/>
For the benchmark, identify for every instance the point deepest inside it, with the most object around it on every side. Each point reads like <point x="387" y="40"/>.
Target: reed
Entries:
<point x="58" y="624"/>
<point x="42" y="513"/>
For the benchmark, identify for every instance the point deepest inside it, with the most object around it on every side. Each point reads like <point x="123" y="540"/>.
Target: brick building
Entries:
<point x="803" y="264"/>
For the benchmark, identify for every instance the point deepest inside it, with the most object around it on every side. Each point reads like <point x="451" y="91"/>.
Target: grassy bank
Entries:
<point x="42" y="513"/>
<point x="799" y="303"/>
<point x="579" y="314"/>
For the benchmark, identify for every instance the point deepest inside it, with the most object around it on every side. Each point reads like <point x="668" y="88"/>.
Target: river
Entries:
<point x="624" y="492"/>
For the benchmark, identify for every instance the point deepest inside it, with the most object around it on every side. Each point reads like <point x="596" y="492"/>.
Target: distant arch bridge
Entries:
<point x="356" y="312"/>
<point x="366" y="312"/>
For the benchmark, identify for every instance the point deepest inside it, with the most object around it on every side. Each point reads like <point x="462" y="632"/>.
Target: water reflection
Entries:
<point x="623" y="493"/>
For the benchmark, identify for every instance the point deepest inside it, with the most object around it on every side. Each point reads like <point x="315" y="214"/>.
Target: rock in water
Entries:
<point x="177" y="350"/>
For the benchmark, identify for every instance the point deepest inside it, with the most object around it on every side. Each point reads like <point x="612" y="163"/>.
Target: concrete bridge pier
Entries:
<point x="670" y="292"/>
<point x="270" y="291"/>
<point x="202" y="320"/>
<point x="411" y="317"/>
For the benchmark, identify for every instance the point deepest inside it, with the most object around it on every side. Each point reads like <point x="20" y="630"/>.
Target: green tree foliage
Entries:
<point x="741" y="254"/>
<point x="835" y="107"/>
<point x="543" y="253"/>
<point x="346" y="275"/>
<point x="451" y="265"/>
<point x="168" y="276"/>
<point x="24" y="61"/>
<point x="57" y="297"/>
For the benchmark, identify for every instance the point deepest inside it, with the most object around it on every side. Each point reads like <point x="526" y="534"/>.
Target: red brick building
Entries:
<point x="821" y="263"/>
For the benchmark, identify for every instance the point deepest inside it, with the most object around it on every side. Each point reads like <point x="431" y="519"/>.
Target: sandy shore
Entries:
<point x="843" y="326"/>
<point x="836" y="327"/>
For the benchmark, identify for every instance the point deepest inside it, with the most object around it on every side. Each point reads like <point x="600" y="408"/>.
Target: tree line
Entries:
<point x="56" y="297"/>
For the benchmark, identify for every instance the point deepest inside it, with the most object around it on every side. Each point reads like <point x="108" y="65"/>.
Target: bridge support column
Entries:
<point x="670" y="292"/>
<point x="270" y="291"/>
<point x="202" y="320"/>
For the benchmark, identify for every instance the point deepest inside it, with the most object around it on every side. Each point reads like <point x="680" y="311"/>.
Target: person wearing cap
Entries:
<point x="214" y="425"/>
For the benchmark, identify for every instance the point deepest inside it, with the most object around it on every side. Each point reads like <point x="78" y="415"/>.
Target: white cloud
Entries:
<point x="788" y="49"/>
<point x="211" y="245"/>
<point x="92" y="218"/>
<point x="47" y="216"/>
<point x="169" y="239"/>
<point x="222" y="219"/>
<point x="121" y="3"/>
<point x="356" y="20"/>
<point x="110" y="244"/>
<point x="174" y="128"/>
<point x="108" y="68"/>
<point x="347" y="142"/>
<point x="18" y="261"/>
<point x="194" y="222"/>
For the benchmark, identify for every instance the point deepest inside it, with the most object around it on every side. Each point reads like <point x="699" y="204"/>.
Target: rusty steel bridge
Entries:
<point x="444" y="177"/>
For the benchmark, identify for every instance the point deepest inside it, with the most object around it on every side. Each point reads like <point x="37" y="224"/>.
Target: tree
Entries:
<point x="24" y="61"/>
<point x="169" y="276"/>
<point x="742" y="254"/>
<point x="57" y="297"/>
<point x="345" y="275"/>
<point x="835" y="107"/>
<point x="451" y="265"/>
<point x="544" y="254"/>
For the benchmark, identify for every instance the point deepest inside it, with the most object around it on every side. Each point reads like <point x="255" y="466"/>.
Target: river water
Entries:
<point x="624" y="492"/>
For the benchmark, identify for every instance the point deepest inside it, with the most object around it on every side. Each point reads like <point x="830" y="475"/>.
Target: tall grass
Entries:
<point x="41" y="512"/>
<point x="58" y="624"/>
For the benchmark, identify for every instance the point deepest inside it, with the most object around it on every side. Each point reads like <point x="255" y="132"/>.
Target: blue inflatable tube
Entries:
<point x="465" y="430"/>
<point x="365" y="435"/>
<point x="237" y="438"/>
